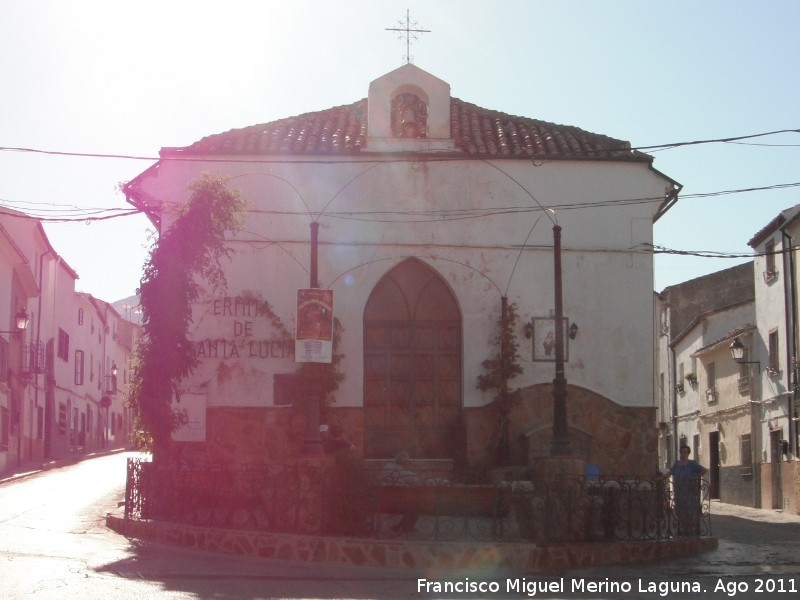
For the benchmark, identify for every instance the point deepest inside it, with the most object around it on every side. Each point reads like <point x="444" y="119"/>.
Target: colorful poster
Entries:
<point x="314" y="335"/>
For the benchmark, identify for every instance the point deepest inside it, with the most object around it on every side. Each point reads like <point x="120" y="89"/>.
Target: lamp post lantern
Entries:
<point x="21" y="320"/>
<point x="737" y="350"/>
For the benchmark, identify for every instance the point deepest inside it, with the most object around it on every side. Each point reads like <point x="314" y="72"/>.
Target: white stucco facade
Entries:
<point x="476" y="256"/>
<point x="775" y="347"/>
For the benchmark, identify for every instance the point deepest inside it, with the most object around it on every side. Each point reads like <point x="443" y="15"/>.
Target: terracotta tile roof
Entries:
<point x="476" y="131"/>
<point x="783" y="217"/>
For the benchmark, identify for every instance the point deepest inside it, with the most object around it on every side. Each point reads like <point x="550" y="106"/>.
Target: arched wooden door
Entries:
<point x="412" y="365"/>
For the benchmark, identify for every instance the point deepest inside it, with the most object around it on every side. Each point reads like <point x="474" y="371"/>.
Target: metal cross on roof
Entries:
<point x="410" y="31"/>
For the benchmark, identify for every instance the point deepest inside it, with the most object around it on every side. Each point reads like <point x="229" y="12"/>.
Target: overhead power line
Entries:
<point x="716" y="140"/>
<point x="85" y="217"/>
<point x="195" y="158"/>
<point x="66" y="213"/>
<point x="647" y="248"/>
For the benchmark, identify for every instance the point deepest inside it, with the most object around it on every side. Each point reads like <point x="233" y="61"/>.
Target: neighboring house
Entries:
<point x="689" y="317"/>
<point x="728" y="427"/>
<point x="775" y="346"/>
<point x="21" y="242"/>
<point x="102" y="352"/>
<point x="430" y="209"/>
<point x="65" y="415"/>
<point x="54" y="371"/>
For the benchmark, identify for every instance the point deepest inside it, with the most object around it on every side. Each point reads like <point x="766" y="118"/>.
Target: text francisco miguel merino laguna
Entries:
<point x="577" y="585"/>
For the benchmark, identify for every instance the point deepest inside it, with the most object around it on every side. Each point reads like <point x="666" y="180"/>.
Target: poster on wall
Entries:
<point x="194" y="407"/>
<point x="544" y="339"/>
<point x="314" y="335"/>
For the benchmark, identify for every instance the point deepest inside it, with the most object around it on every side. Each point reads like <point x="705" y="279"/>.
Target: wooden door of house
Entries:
<point x="713" y="464"/>
<point x="412" y="365"/>
<point x="776" y="458"/>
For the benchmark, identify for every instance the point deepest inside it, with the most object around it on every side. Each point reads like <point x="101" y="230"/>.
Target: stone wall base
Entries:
<point x="406" y="554"/>
<point x="620" y="440"/>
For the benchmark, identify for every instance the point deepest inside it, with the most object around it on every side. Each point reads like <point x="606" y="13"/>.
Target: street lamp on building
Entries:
<point x="105" y="401"/>
<point x="739" y="352"/>
<point x="21" y="320"/>
<point x="112" y="386"/>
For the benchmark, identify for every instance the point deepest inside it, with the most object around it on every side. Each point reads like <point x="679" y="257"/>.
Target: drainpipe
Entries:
<point x="48" y="417"/>
<point x="673" y="395"/>
<point x="790" y="304"/>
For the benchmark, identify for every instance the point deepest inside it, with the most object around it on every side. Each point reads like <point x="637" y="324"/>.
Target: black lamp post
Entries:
<point x="312" y="444"/>
<point x="560" y="443"/>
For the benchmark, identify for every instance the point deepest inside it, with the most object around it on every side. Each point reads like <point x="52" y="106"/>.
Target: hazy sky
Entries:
<point x="128" y="78"/>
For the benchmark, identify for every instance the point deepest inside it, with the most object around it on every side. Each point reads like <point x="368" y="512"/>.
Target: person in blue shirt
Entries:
<point x="686" y="484"/>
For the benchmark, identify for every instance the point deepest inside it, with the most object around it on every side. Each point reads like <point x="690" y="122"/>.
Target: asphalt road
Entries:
<point x="54" y="545"/>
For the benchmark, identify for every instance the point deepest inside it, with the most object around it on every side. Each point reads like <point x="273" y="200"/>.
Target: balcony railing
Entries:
<point x="33" y="358"/>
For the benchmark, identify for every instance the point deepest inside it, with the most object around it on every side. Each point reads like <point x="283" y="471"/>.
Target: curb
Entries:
<point x="409" y="554"/>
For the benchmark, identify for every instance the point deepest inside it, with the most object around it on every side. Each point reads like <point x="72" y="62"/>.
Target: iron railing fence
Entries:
<point x="350" y="500"/>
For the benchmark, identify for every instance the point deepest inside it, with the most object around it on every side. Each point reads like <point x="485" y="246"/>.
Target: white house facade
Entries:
<point x="775" y="349"/>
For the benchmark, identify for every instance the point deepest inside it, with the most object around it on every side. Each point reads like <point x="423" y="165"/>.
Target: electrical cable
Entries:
<point x="655" y="147"/>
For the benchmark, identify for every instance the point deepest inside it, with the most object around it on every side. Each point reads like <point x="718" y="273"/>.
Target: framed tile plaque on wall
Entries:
<point x="544" y="339"/>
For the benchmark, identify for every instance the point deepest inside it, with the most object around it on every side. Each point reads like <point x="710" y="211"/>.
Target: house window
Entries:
<point x="744" y="372"/>
<point x="4" y="425"/>
<point x="711" y="376"/>
<point x="3" y="360"/>
<point x="63" y="345"/>
<point x="711" y="382"/>
<point x="80" y="316"/>
<point x="774" y="359"/>
<point x="79" y="367"/>
<point x="670" y="450"/>
<point x="769" y="251"/>
<point x="696" y="446"/>
<point x="746" y="452"/>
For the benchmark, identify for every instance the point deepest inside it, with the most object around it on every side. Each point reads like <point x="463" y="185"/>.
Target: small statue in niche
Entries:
<point x="409" y="116"/>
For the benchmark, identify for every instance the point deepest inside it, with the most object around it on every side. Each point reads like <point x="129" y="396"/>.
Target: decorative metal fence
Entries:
<point x="346" y="499"/>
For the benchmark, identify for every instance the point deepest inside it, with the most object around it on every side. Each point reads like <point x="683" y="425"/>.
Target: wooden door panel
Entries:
<point x="412" y="364"/>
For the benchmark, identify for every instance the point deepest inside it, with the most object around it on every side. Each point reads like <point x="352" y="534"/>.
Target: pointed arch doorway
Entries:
<point x="412" y="365"/>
